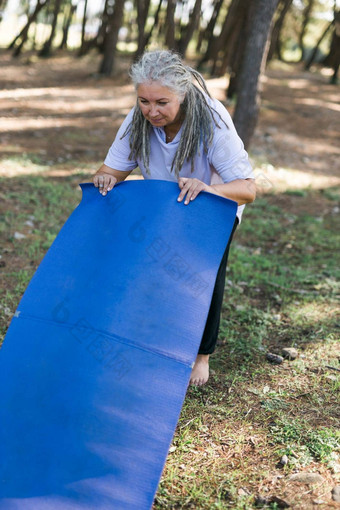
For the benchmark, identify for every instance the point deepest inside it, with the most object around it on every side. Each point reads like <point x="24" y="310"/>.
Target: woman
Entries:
<point x="177" y="132"/>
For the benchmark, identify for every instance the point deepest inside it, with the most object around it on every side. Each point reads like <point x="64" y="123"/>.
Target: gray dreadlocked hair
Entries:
<point x="167" y="68"/>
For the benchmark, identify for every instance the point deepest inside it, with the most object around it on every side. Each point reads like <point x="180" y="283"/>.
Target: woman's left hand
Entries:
<point x="191" y="188"/>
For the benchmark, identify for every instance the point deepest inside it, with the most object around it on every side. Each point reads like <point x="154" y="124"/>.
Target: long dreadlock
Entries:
<point x="167" y="68"/>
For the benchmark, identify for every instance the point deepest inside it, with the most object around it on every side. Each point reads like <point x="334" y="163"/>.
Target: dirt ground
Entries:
<point x="58" y="112"/>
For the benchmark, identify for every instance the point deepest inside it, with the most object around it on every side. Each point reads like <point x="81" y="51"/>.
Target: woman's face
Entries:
<point x="159" y="105"/>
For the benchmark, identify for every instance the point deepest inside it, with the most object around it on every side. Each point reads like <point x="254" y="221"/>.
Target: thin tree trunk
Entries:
<point x="170" y="25"/>
<point x="208" y="33"/>
<point x="83" y="27"/>
<point x="3" y="4"/>
<point x="235" y="59"/>
<point x="313" y="54"/>
<point x="155" y="24"/>
<point x="143" y="7"/>
<point x="23" y="35"/>
<point x="234" y="50"/>
<point x="46" y="49"/>
<point x="190" y="28"/>
<point x="221" y="43"/>
<point x="66" y="27"/>
<point x="248" y="101"/>
<point x="333" y="58"/>
<point x="98" y="40"/>
<point x="114" y="24"/>
<point x="275" y="46"/>
<point x="306" y="18"/>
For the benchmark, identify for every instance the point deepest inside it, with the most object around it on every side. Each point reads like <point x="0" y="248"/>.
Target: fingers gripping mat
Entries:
<point x="97" y="359"/>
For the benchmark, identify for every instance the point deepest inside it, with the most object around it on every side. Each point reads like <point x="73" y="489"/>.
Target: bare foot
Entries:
<point x="200" y="371"/>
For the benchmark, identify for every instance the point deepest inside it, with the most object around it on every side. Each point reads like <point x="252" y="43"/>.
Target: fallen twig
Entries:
<point x="333" y="368"/>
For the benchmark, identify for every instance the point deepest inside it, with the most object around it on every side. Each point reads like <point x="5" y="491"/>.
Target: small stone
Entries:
<point x="318" y="501"/>
<point x="284" y="460"/>
<point x="336" y="493"/>
<point x="290" y="353"/>
<point x="29" y="223"/>
<point x="274" y="358"/>
<point x="280" y="503"/>
<point x="19" y="236"/>
<point x="308" y="478"/>
<point x="260" y="501"/>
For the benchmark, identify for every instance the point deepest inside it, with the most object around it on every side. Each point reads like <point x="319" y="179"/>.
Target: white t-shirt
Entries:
<point x="225" y="161"/>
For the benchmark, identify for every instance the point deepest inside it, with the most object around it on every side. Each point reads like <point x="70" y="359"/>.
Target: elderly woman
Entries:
<point x="177" y="132"/>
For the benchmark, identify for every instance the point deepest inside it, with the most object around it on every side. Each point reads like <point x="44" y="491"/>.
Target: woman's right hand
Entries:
<point x="104" y="182"/>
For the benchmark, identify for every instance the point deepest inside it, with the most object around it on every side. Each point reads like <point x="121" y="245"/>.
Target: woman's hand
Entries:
<point x="191" y="188"/>
<point x="104" y="182"/>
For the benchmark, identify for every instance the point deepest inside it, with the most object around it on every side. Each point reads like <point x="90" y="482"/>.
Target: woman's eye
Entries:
<point x="162" y="103"/>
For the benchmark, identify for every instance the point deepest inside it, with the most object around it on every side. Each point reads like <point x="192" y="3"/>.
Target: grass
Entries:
<point x="281" y="290"/>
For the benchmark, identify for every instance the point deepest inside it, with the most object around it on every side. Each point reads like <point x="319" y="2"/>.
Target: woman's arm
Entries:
<point x="105" y="178"/>
<point x="243" y="191"/>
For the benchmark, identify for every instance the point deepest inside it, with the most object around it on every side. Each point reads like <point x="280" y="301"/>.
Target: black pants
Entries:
<point x="212" y="325"/>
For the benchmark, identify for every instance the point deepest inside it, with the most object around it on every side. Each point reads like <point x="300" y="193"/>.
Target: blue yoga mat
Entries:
<point x="96" y="362"/>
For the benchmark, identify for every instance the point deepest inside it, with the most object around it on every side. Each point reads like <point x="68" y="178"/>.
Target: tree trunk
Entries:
<point x="235" y="59"/>
<point x="23" y="35"/>
<point x="247" y="106"/>
<point x="46" y="49"/>
<point x="313" y="54"/>
<point x="208" y="33"/>
<point x="3" y="4"/>
<point x="233" y="53"/>
<point x="306" y="17"/>
<point x="115" y="19"/>
<point x="275" y="44"/>
<point x="66" y="26"/>
<point x="82" y="50"/>
<point x="221" y="43"/>
<point x="143" y="7"/>
<point x="170" y="25"/>
<point x="194" y="18"/>
<point x="333" y="58"/>
<point x="155" y="24"/>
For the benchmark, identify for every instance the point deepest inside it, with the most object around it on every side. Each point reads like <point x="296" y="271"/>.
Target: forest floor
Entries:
<point x="57" y="122"/>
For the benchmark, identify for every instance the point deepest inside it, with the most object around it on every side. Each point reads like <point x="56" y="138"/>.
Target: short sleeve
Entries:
<point x="118" y="154"/>
<point x="226" y="153"/>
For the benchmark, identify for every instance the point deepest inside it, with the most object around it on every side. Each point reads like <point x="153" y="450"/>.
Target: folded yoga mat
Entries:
<point x="97" y="359"/>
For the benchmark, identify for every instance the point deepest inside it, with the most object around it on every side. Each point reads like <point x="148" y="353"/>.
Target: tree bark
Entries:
<point x="232" y="18"/>
<point x="155" y="24"/>
<point x="82" y="49"/>
<point x="143" y="7"/>
<point x="275" y="43"/>
<point x="115" y="19"/>
<point x="190" y="28"/>
<point x="170" y="41"/>
<point x="313" y="54"/>
<point x="208" y="33"/>
<point x="333" y="58"/>
<point x="306" y="17"/>
<point x="66" y="26"/>
<point x="3" y="4"/>
<point x="23" y="34"/>
<point x="248" y="102"/>
<point x="233" y="53"/>
<point x="46" y="49"/>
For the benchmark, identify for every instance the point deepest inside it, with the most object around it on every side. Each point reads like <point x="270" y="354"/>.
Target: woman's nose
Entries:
<point x="153" y="112"/>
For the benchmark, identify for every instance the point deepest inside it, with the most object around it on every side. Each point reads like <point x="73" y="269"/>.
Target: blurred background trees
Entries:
<point x="233" y="37"/>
